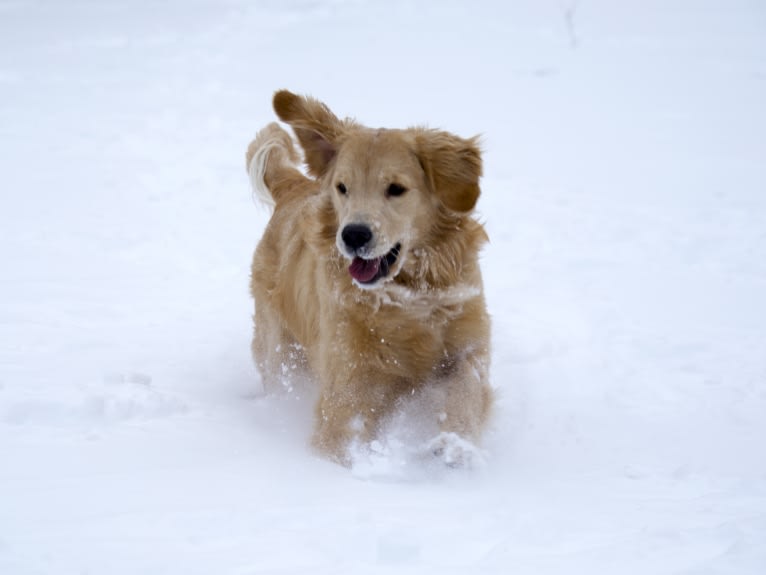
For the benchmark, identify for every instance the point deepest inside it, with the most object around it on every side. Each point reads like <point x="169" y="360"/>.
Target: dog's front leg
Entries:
<point x="467" y="402"/>
<point x="349" y="413"/>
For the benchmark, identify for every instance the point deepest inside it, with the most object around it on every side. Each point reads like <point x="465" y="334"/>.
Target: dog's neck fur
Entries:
<point x="445" y="259"/>
<point x="434" y="276"/>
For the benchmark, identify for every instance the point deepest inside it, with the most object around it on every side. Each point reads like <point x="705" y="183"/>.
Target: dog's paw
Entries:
<point x="383" y="460"/>
<point x="455" y="451"/>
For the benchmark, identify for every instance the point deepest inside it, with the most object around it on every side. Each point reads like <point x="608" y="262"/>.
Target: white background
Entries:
<point x="625" y="197"/>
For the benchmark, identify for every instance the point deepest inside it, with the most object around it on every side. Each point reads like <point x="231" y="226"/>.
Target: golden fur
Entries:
<point x="371" y="344"/>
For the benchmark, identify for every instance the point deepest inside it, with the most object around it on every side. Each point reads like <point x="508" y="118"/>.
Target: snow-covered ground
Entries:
<point x="625" y="195"/>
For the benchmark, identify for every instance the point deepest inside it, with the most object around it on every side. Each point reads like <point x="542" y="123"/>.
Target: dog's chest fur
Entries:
<point x="394" y="329"/>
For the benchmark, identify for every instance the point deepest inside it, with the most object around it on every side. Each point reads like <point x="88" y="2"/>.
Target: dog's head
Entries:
<point x="387" y="187"/>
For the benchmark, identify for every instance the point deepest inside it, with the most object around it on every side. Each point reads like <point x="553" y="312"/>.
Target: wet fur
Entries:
<point x="425" y="330"/>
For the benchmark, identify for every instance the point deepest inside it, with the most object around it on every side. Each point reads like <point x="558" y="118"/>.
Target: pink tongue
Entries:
<point x="364" y="270"/>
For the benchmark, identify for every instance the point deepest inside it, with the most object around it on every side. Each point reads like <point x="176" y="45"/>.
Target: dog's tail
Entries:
<point x="272" y="150"/>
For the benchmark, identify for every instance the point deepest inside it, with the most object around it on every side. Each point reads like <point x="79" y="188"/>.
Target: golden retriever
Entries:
<point x="367" y="277"/>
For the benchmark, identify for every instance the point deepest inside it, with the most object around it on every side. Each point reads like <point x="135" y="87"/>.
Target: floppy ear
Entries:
<point x="452" y="166"/>
<point x="317" y="128"/>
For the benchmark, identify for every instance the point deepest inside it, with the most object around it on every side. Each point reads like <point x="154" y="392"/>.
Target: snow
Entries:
<point x="625" y="198"/>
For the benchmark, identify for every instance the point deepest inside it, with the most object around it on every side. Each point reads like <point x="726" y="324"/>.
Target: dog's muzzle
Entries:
<point x="369" y="271"/>
<point x="365" y="270"/>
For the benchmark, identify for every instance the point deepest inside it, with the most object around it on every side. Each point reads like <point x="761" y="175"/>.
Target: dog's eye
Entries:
<point x="341" y="188"/>
<point x="395" y="190"/>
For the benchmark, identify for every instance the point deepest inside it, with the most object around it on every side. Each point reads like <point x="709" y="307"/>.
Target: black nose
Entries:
<point x="356" y="236"/>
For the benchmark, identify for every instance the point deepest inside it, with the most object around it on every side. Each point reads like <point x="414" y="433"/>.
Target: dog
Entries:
<point x="367" y="277"/>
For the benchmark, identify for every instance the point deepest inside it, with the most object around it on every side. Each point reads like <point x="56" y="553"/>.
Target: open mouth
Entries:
<point x="368" y="272"/>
